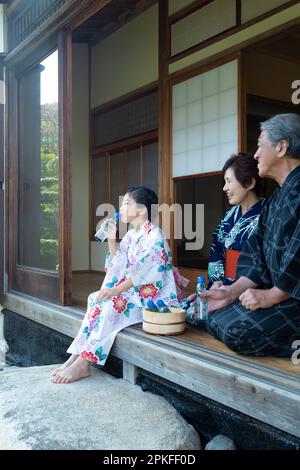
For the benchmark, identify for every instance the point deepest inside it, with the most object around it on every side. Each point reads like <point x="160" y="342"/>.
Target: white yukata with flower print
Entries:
<point x="144" y="257"/>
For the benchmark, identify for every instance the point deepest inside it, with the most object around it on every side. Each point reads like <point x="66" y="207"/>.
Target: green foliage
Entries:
<point x="49" y="186"/>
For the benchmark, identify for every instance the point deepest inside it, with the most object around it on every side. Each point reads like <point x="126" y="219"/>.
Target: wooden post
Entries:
<point x="165" y="183"/>
<point x="130" y="372"/>
<point x="2" y="215"/>
<point x="65" y="183"/>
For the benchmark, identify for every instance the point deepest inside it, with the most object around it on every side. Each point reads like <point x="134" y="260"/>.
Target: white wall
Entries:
<point x="80" y="158"/>
<point x="98" y="254"/>
<point x="238" y="38"/>
<point x="252" y="8"/>
<point x="125" y="60"/>
<point x="122" y="63"/>
<point x="203" y="24"/>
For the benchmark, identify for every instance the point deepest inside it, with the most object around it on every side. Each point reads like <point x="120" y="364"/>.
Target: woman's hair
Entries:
<point x="245" y="168"/>
<point x="143" y="195"/>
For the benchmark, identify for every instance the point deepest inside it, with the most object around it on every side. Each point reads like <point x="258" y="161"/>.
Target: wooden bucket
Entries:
<point x="157" y="323"/>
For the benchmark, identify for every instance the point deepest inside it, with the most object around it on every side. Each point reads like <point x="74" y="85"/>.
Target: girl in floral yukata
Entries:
<point x="138" y="270"/>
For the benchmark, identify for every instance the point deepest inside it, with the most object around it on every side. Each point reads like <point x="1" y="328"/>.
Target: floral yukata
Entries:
<point x="231" y="234"/>
<point x="144" y="257"/>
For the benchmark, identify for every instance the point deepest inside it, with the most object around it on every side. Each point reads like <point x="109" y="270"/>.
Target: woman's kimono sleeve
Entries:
<point x="216" y="259"/>
<point x="152" y="262"/>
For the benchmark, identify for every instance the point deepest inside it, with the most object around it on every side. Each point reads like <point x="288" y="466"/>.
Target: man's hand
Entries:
<point x="105" y="293"/>
<point x="253" y="299"/>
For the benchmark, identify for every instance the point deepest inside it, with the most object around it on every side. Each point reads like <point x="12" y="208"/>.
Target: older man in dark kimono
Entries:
<point x="260" y="313"/>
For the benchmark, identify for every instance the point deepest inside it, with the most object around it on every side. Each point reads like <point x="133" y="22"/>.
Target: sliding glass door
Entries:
<point x="39" y="178"/>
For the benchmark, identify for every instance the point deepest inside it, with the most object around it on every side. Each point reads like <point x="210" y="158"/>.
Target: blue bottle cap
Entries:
<point x="117" y="216"/>
<point x="160" y="303"/>
<point x="150" y="304"/>
<point x="201" y="280"/>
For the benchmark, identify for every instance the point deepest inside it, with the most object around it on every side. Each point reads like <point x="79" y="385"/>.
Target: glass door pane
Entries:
<point x="39" y="166"/>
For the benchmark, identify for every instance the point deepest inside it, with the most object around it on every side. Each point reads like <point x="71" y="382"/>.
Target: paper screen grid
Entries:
<point x="205" y="121"/>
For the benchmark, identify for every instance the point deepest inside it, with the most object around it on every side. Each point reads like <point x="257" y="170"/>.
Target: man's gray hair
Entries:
<point x="284" y="127"/>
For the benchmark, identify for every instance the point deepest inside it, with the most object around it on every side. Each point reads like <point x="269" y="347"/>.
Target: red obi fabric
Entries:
<point x="231" y="259"/>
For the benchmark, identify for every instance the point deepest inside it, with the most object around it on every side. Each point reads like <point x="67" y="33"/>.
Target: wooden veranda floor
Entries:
<point x="84" y="283"/>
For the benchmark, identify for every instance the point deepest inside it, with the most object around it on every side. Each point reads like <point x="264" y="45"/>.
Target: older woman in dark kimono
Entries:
<point x="242" y="187"/>
<point x="259" y="314"/>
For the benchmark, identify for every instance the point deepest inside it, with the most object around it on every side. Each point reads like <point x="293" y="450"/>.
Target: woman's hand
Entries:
<point x="253" y="299"/>
<point x="216" y="285"/>
<point x="192" y="298"/>
<point x="112" y="234"/>
<point x="217" y="298"/>
<point x="105" y="293"/>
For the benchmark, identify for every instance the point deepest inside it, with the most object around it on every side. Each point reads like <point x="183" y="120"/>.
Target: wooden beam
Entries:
<point x="65" y="186"/>
<point x="123" y="18"/>
<point x="88" y="12"/>
<point x="165" y="182"/>
<point x="2" y="185"/>
<point x="238" y="12"/>
<point x="130" y="372"/>
<point x="128" y="142"/>
<point x="188" y="10"/>
<point x="164" y="162"/>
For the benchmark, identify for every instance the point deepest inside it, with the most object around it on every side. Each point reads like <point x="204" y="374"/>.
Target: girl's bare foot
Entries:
<point x="66" y="364"/>
<point x="80" y="369"/>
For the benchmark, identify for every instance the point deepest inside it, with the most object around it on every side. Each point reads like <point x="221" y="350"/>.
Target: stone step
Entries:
<point x="97" y="413"/>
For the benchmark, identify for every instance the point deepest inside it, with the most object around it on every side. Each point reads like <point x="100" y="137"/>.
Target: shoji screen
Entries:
<point x="205" y="120"/>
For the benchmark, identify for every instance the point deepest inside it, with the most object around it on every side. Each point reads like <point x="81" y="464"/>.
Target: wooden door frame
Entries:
<point x="165" y="180"/>
<point x="65" y="171"/>
<point x="23" y="279"/>
<point x="2" y="194"/>
<point x="39" y="283"/>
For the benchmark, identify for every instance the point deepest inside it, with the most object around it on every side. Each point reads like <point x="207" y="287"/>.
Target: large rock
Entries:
<point x="99" y="412"/>
<point x="220" y="442"/>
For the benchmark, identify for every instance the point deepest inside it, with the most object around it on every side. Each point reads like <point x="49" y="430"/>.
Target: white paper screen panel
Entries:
<point x="205" y="121"/>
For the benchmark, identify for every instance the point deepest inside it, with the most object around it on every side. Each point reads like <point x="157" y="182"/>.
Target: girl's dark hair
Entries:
<point x="245" y="168"/>
<point x="143" y="195"/>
